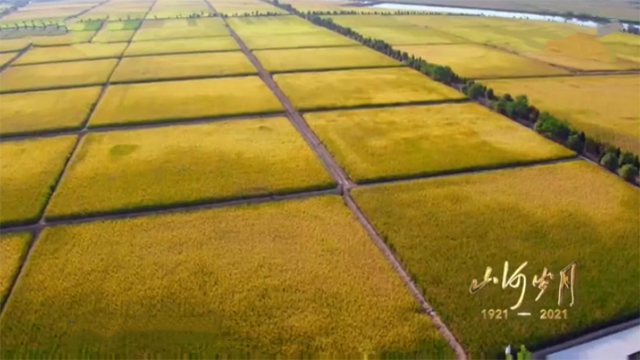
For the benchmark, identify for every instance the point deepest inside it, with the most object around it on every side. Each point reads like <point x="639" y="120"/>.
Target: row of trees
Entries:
<point x="518" y="108"/>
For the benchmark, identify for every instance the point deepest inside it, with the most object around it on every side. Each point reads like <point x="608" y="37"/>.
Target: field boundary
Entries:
<point x="19" y="53"/>
<point x="69" y="60"/>
<point x="571" y="75"/>
<point x="304" y="47"/>
<point x="385" y="105"/>
<point x="181" y="53"/>
<point x="181" y="78"/>
<point x="364" y="67"/>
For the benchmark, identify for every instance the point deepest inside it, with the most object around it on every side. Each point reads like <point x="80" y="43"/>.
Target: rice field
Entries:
<point x="180" y="28"/>
<point x="289" y="283"/>
<point x="29" y="169"/>
<point x="112" y="36"/>
<point x="149" y="68"/>
<point x="477" y="61"/>
<point x="323" y="58"/>
<point x="219" y="43"/>
<point x="243" y="7"/>
<point x="74" y="37"/>
<point x="13" y="45"/>
<point x="182" y="164"/>
<point x="13" y="248"/>
<point x="268" y="26"/>
<point x="522" y="220"/>
<point x="35" y="111"/>
<point x="611" y="113"/>
<point x="6" y="57"/>
<point x="388" y="143"/>
<point x="292" y="41"/>
<point x="54" y="75"/>
<point x="72" y="52"/>
<point x="172" y="100"/>
<point x="352" y="88"/>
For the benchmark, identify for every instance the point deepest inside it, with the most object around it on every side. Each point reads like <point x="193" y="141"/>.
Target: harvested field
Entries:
<point x="292" y="41"/>
<point x="611" y="114"/>
<point x="477" y="61"/>
<point x="170" y="100"/>
<point x="47" y="76"/>
<point x="180" y="28"/>
<point x="6" y="57"/>
<point x="323" y="58"/>
<point x="13" y="248"/>
<point x="287" y="279"/>
<point x="35" y="111"/>
<point x="331" y="89"/>
<point x="191" y="66"/>
<point x="276" y="25"/>
<point x="29" y="169"/>
<point x="218" y="43"/>
<point x="67" y="39"/>
<point x="72" y="52"/>
<point x="109" y="36"/>
<point x="515" y="215"/>
<point x="257" y="157"/>
<point x="375" y="144"/>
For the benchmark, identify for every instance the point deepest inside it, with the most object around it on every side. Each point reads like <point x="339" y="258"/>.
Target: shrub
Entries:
<point x="626" y="158"/>
<point x="575" y="143"/>
<point x="610" y="161"/>
<point x="475" y="91"/>
<point x="628" y="172"/>
<point x="548" y="124"/>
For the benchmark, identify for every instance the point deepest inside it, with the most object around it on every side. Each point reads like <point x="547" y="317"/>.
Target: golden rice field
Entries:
<point x="73" y="37"/>
<point x="387" y="143"/>
<point x="8" y="45"/>
<point x="476" y="61"/>
<point x="331" y="89"/>
<point x="34" y="111"/>
<point x="110" y="36"/>
<point x="180" y="28"/>
<point x="144" y="68"/>
<point x="515" y="215"/>
<point x="292" y="41"/>
<point x="218" y="43"/>
<point x="48" y="76"/>
<point x="13" y="248"/>
<point x="71" y="52"/>
<point x="6" y="57"/>
<point x="29" y="169"/>
<point x="274" y="25"/>
<point x="134" y="169"/>
<point x="242" y="7"/>
<point x="611" y="113"/>
<point x="323" y="58"/>
<point x="187" y="99"/>
<point x="297" y="277"/>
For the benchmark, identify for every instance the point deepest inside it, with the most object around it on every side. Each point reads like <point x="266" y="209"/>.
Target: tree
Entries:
<point x="628" y="172"/>
<point x="489" y="94"/>
<point x="475" y="91"/>
<point x="592" y="146"/>
<point x="548" y="124"/>
<point x="507" y="97"/>
<point x="626" y="158"/>
<point x="610" y="161"/>
<point x="574" y="143"/>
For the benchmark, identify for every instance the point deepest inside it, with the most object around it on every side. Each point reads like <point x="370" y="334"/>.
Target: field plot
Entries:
<point x="236" y="7"/>
<point x="6" y="57"/>
<point x="352" y="88"/>
<point x="323" y="58"/>
<point x="183" y="164"/>
<point x="29" y="168"/>
<point x="66" y="39"/>
<point x="477" y="61"/>
<point x="191" y="66"/>
<point x="113" y="36"/>
<point x="46" y="76"/>
<point x="34" y="111"/>
<point x="13" y="248"/>
<point x="218" y="43"/>
<point x="72" y="52"/>
<point x="180" y="28"/>
<point x="295" y="272"/>
<point x="485" y="219"/>
<point x="292" y="41"/>
<point x="276" y="25"/>
<point x="387" y="143"/>
<point x="171" y="100"/>
<point x="611" y="113"/>
<point x="13" y="45"/>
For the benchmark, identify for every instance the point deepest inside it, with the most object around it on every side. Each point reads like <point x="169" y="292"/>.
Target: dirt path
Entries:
<point x="5" y="66"/>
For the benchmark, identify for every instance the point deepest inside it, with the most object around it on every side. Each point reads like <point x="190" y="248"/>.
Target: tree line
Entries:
<point x="625" y="164"/>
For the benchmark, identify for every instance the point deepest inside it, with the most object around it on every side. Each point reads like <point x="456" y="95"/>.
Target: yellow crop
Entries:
<point x="291" y="41"/>
<point x="394" y="31"/>
<point x="186" y="164"/>
<point x="398" y="142"/>
<point x="182" y="46"/>
<point x="13" y="248"/>
<point x="170" y="100"/>
<point x="45" y="76"/>
<point x="106" y="36"/>
<point x="275" y="25"/>
<point x="45" y="110"/>
<point x="448" y="230"/>
<point x="71" y="52"/>
<point x="29" y="169"/>
<point x="611" y="114"/>
<point x="241" y="7"/>
<point x="6" y="57"/>
<point x="180" y="28"/>
<point x="330" y="89"/>
<point x="478" y="61"/>
<point x="191" y="65"/>
<point x="13" y="44"/>
<point x="323" y="58"/>
<point x="73" y="37"/>
<point x="288" y="277"/>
